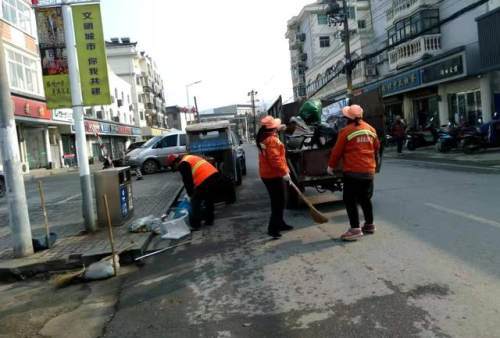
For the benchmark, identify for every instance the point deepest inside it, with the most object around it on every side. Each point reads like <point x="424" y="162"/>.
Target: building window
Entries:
<point x="99" y="115"/>
<point x="23" y="73"/>
<point x="139" y="98"/>
<point x="88" y="112"/>
<point x="18" y="13"/>
<point x="362" y="24"/>
<point x="414" y="25"/>
<point x="351" y="12"/>
<point x="137" y="80"/>
<point x="324" y="41"/>
<point x="142" y="115"/>
<point x="322" y="19"/>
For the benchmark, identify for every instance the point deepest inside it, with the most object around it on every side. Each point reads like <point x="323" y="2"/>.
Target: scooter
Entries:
<point x="428" y="136"/>
<point x="487" y="135"/>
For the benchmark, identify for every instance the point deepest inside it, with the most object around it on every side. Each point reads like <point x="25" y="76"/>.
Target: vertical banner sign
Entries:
<point x="50" y="27"/>
<point x="91" y="54"/>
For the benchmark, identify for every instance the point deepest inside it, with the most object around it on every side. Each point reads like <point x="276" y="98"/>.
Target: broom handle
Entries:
<point x="110" y="233"/>
<point x="301" y="195"/>
<point x="44" y="210"/>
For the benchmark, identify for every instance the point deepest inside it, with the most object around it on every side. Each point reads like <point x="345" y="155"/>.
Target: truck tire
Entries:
<point x="3" y="189"/>
<point x="244" y="166"/>
<point x="239" y="176"/>
<point x="150" y="167"/>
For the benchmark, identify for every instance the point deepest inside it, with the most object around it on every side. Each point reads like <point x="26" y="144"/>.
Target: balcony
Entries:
<point x="402" y="8"/>
<point x="414" y="50"/>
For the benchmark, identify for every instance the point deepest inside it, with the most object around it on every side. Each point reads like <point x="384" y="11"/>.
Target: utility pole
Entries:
<point x="18" y="207"/>
<point x="77" y="103"/>
<point x="340" y="16"/>
<point x="347" y="44"/>
<point x="252" y="95"/>
<point x="197" y="112"/>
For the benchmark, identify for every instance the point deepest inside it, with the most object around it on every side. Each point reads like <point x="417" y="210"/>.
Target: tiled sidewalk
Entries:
<point x="152" y="196"/>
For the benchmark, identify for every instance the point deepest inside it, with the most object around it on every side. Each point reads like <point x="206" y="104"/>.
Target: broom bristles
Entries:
<point x="318" y="217"/>
<point x="64" y="279"/>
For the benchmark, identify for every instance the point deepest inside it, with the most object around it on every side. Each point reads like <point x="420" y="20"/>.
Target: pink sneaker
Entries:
<point x="368" y="229"/>
<point x="352" y="234"/>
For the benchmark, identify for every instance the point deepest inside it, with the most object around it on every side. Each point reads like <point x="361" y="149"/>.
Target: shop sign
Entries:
<point x="30" y="108"/>
<point x="62" y="115"/>
<point x="443" y="70"/>
<point x="91" y="52"/>
<point x="103" y="128"/>
<point x="50" y="27"/>
<point x="401" y="83"/>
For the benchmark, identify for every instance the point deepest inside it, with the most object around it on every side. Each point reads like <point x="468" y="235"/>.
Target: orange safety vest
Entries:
<point x="200" y="169"/>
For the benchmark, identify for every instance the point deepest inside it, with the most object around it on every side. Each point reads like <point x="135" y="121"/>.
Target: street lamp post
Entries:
<point x="187" y="91"/>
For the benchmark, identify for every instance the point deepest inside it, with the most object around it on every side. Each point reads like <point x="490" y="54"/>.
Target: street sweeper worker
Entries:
<point x="201" y="180"/>
<point x="273" y="171"/>
<point x="357" y="147"/>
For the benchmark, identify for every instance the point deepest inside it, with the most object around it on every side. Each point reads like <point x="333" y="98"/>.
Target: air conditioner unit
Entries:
<point x="25" y="168"/>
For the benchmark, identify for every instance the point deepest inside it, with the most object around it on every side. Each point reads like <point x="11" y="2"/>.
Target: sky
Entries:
<point x="232" y="46"/>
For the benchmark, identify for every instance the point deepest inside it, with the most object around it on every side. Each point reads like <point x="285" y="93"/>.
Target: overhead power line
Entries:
<point x="368" y="56"/>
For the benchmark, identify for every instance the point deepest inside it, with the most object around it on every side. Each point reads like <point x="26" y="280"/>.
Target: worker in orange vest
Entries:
<point x="357" y="146"/>
<point x="201" y="180"/>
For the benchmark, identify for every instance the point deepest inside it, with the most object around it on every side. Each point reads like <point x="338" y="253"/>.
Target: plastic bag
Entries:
<point x="311" y="111"/>
<point x="145" y="224"/>
<point x="101" y="270"/>
<point x="175" y="228"/>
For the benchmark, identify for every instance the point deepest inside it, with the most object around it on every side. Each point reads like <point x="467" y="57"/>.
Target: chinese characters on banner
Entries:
<point x="54" y="58"/>
<point x="91" y="54"/>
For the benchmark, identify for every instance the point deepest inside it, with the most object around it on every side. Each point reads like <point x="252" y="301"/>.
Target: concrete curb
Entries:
<point x="459" y="166"/>
<point x="29" y="267"/>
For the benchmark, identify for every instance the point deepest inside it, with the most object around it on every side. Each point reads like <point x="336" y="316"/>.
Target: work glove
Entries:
<point x="287" y="178"/>
<point x="329" y="170"/>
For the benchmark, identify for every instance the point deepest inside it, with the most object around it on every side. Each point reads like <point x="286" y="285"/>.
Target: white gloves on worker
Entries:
<point x="329" y="170"/>
<point x="287" y="178"/>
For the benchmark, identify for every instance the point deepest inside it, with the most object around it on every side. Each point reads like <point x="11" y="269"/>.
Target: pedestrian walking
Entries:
<point x="398" y="131"/>
<point x="357" y="146"/>
<point x="274" y="172"/>
<point x="202" y="182"/>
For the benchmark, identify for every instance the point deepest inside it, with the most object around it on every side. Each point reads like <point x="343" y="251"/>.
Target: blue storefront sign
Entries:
<point x="401" y="83"/>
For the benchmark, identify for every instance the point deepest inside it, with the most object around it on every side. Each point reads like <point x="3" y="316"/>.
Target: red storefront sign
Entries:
<point x="30" y="108"/>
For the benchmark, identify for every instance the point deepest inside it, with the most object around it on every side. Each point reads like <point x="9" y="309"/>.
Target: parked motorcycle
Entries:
<point x="427" y="136"/>
<point x="448" y="137"/>
<point x="487" y="135"/>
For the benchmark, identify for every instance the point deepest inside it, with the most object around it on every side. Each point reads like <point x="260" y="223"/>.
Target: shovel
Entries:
<point x="317" y="216"/>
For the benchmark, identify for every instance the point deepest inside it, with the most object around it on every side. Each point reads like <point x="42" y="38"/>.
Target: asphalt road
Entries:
<point x="430" y="270"/>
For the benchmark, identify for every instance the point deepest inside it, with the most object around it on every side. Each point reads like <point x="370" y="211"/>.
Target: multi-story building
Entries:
<point x="428" y="62"/>
<point x="111" y="127"/>
<point x="39" y="141"/>
<point x="141" y="72"/>
<point x="179" y="117"/>
<point x="240" y="115"/>
<point x="316" y="48"/>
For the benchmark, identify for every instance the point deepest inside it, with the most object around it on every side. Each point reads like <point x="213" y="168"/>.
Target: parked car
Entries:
<point x="154" y="155"/>
<point x="3" y="188"/>
<point x="135" y="145"/>
<point x="218" y="141"/>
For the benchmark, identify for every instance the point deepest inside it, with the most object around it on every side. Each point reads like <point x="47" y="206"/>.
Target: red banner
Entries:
<point x="30" y="108"/>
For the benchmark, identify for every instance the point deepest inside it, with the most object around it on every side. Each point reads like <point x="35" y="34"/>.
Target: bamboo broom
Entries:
<point x="317" y="216"/>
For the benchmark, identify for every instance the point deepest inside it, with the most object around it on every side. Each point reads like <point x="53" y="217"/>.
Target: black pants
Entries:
<point x="358" y="191"/>
<point x="202" y="201"/>
<point x="400" y="142"/>
<point x="276" y="189"/>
